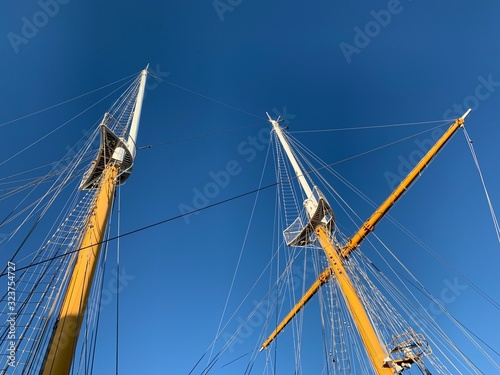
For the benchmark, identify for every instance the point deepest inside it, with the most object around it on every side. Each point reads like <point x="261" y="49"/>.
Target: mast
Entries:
<point x="322" y="222"/>
<point x="104" y="174"/>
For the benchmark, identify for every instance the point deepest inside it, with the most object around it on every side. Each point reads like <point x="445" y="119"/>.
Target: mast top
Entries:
<point x="115" y="146"/>
<point x="464" y="116"/>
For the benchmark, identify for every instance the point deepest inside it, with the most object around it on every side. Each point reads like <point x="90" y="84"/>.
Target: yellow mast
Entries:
<point x="112" y="166"/>
<point x="63" y="343"/>
<point x="377" y="353"/>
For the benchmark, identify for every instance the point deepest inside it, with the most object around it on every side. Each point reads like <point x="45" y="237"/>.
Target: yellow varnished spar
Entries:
<point x="112" y="166"/>
<point x="318" y="221"/>
<point x="369" y="225"/>
<point x="64" y="340"/>
<point x="322" y="279"/>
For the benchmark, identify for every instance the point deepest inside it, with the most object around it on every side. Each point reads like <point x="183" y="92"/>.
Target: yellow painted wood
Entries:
<point x="60" y="353"/>
<point x="322" y="279"/>
<point x="369" y="225"/>
<point x="375" y="349"/>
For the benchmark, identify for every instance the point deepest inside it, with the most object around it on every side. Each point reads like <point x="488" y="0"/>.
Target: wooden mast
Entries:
<point x="60" y="352"/>
<point x="377" y="353"/>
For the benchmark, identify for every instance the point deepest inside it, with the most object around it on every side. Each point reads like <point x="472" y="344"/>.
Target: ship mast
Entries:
<point x="111" y="167"/>
<point x="319" y="228"/>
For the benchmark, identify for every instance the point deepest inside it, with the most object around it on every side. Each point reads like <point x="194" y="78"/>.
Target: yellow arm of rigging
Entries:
<point x="322" y="279"/>
<point x="379" y="213"/>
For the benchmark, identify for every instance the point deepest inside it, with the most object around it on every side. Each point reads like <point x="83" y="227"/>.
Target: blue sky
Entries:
<point x="323" y="65"/>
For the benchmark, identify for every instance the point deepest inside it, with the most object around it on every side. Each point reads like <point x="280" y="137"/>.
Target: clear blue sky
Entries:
<point x="326" y="65"/>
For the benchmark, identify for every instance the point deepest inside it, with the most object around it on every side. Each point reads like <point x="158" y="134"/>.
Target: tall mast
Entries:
<point x="375" y="348"/>
<point x="106" y="171"/>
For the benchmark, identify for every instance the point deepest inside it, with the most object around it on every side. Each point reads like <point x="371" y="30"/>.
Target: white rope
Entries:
<point x="219" y="328"/>
<point x="474" y="157"/>
<point x="439" y="333"/>
<point x="64" y="102"/>
<point x="207" y="97"/>
<point x="370" y="127"/>
<point x="60" y="126"/>
<point x="418" y="315"/>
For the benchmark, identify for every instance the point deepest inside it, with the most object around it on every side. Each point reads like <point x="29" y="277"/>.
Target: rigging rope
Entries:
<point x="118" y="275"/>
<point x="60" y="126"/>
<point x="230" y="340"/>
<point x="371" y="127"/>
<point x="419" y="286"/>
<point x="200" y="136"/>
<point x="206" y="97"/>
<point x="66" y="101"/>
<point x="476" y="162"/>
<point x="241" y="253"/>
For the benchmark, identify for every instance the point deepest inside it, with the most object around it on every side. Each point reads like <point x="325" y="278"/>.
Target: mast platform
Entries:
<point x="300" y="234"/>
<point x="109" y="143"/>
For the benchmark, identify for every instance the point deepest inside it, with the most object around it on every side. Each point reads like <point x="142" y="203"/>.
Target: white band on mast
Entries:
<point x="134" y="127"/>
